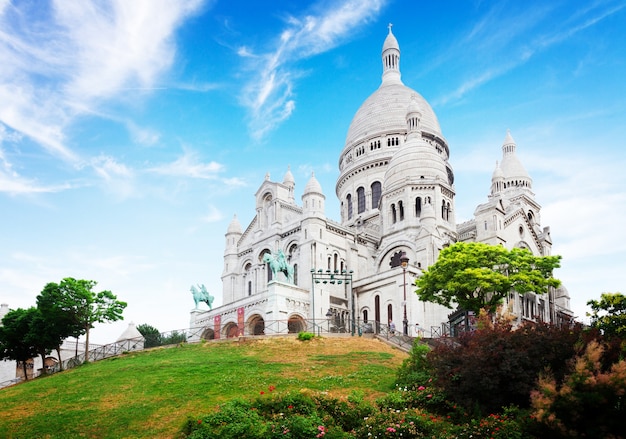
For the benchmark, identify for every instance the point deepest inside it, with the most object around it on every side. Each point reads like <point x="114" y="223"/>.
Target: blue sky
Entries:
<point x="132" y="132"/>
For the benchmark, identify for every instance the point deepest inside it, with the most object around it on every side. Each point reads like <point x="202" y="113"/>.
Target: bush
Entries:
<point x="304" y="336"/>
<point x="415" y="370"/>
<point x="496" y="366"/>
<point x="589" y="403"/>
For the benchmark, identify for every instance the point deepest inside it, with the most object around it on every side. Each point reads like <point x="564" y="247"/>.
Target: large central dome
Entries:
<point x="385" y="112"/>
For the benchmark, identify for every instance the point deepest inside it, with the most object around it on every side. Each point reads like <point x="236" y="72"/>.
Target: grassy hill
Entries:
<point x="151" y="394"/>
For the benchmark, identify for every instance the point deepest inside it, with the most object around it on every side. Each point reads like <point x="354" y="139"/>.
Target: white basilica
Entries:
<point x="396" y="189"/>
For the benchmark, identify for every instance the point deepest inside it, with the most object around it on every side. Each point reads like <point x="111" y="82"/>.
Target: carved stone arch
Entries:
<point x="256" y="325"/>
<point x="523" y="244"/>
<point x="296" y="323"/>
<point x="230" y="330"/>
<point x="385" y="254"/>
<point x="208" y="334"/>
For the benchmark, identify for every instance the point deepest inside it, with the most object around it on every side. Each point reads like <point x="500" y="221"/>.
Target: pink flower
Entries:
<point x="429" y="396"/>
<point x="290" y="407"/>
<point x="391" y="429"/>
<point x="262" y="392"/>
<point x="421" y="388"/>
<point x="272" y="388"/>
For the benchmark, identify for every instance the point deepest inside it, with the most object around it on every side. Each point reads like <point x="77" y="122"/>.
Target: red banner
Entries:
<point x="240" y="321"/>
<point x="217" y="323"/>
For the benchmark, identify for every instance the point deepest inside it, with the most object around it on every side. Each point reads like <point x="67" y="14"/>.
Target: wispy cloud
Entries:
<point x="189" y="165"/>
<point x="268" y="94"/>
<point x="499" y="42"/>
<point x="62" y="59"/>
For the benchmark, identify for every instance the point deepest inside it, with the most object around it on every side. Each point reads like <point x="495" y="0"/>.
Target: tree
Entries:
<point x="151" y="335"/>
<point x="87" y="306"/>
<point x="14" y="341"/>
<point x="59" y="318"/>
<point x="609" y="314"/>
<point x="476" y="275"/>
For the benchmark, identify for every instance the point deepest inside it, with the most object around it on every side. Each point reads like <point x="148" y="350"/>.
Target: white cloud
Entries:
<point x="269" y="93"/>
<point x="188" y="165"/>
<point x="55" y="66"/>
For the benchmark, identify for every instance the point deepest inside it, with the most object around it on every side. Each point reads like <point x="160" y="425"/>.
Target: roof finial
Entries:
<point x="390" y="25"/>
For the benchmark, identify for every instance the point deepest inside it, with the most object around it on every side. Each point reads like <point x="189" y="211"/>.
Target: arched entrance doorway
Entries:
<point x="296" y="324"/>
<point x="256" y="325"/>
<point x="208" y="334"/>
<point x="231" y="330"/>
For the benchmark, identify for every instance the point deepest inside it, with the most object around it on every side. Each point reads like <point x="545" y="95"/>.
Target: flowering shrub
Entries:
<point x="410" y="423"/>
<point x="589" y="403"/>
<point x="492" y="427"/>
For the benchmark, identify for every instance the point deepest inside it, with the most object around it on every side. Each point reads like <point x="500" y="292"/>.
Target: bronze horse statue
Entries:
<point x="200" y="294"/>
<point x="278" y="264"/>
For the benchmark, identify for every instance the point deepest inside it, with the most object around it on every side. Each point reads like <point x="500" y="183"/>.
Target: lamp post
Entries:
<point x="330" y="277"/>
<point x="404" y="262"/>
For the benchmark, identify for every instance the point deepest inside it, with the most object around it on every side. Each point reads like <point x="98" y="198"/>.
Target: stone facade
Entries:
<point x="397" y="195"/>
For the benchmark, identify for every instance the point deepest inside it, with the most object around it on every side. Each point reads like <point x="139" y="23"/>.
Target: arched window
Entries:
<point x="443" y="209"/>
<point x="328" y="263"/>
<point x="393" y="213"/>
<point x="295" y="274"/>
<point x="360" y="193"/>
<point x="401" y="210"/>
<point x="418" y="207"/>
<point x="349" y="203"/>
<point x="364" y="316"/>
<point x="448" y="211"/>
<point x="336" y="260"/>
<point x="389" y="313"/>
<point x="376" y="191"/>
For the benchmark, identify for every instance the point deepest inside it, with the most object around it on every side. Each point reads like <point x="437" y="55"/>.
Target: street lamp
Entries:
<point x="329" y="314"/>
<point x="330" y="277"/>
<point x="404" y="262"/>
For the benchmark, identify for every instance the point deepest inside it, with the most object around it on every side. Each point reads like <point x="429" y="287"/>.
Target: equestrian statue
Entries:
<point x="278" y="263"/>
<point x="200" y="294"/>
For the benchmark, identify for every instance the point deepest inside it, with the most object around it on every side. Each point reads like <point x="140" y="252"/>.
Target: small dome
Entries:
<point x="497" y="173"/>
<point x="234" y="226"/>
<point x="313" y="186"/>
<point x="511" y="166"/>
<point x="390" y="41"/>
<point x="414" y="161"/>
<point x="288" y="180"/>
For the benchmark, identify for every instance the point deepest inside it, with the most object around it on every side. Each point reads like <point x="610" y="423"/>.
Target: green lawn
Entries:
<point x="150" y="394"/>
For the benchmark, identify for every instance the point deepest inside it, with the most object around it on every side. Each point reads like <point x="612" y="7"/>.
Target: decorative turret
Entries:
<point x="515" y="175"/>
<point x="391" y="59"/>
<point x="290" y="183"/>
<point x="497" y="180"/>
<point x="313" y="198"/>
<point x="232" y="235"/>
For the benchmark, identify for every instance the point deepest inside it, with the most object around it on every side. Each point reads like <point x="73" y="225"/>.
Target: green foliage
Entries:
<point x="175" y="337"/>
<point x="415" y="370"/>
<point x="87" y="307"/>
<point x="15" y="340"/>
<point x="609" y="314"/>
<point x="304" y="336"/>
<point x="590" y="402"/>
<point x="476" y="275"/>
<point x="151" y="335"/>
<point x="496" y="366"/>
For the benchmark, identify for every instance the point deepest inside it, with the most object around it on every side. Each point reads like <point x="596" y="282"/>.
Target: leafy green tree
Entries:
<point x="476" y="275"/>
<point x="151" y="335"/>
<point x="59" y="318"/>
<point x="609" y="314"/>
<point x="14" y="341"/>
<point x="87" y="306"/>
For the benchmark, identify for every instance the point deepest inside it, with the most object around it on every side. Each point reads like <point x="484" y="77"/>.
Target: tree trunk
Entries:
<point x="87" y="345"/>
<point x="24" y="369"/>
<point x="58" y="349"/>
